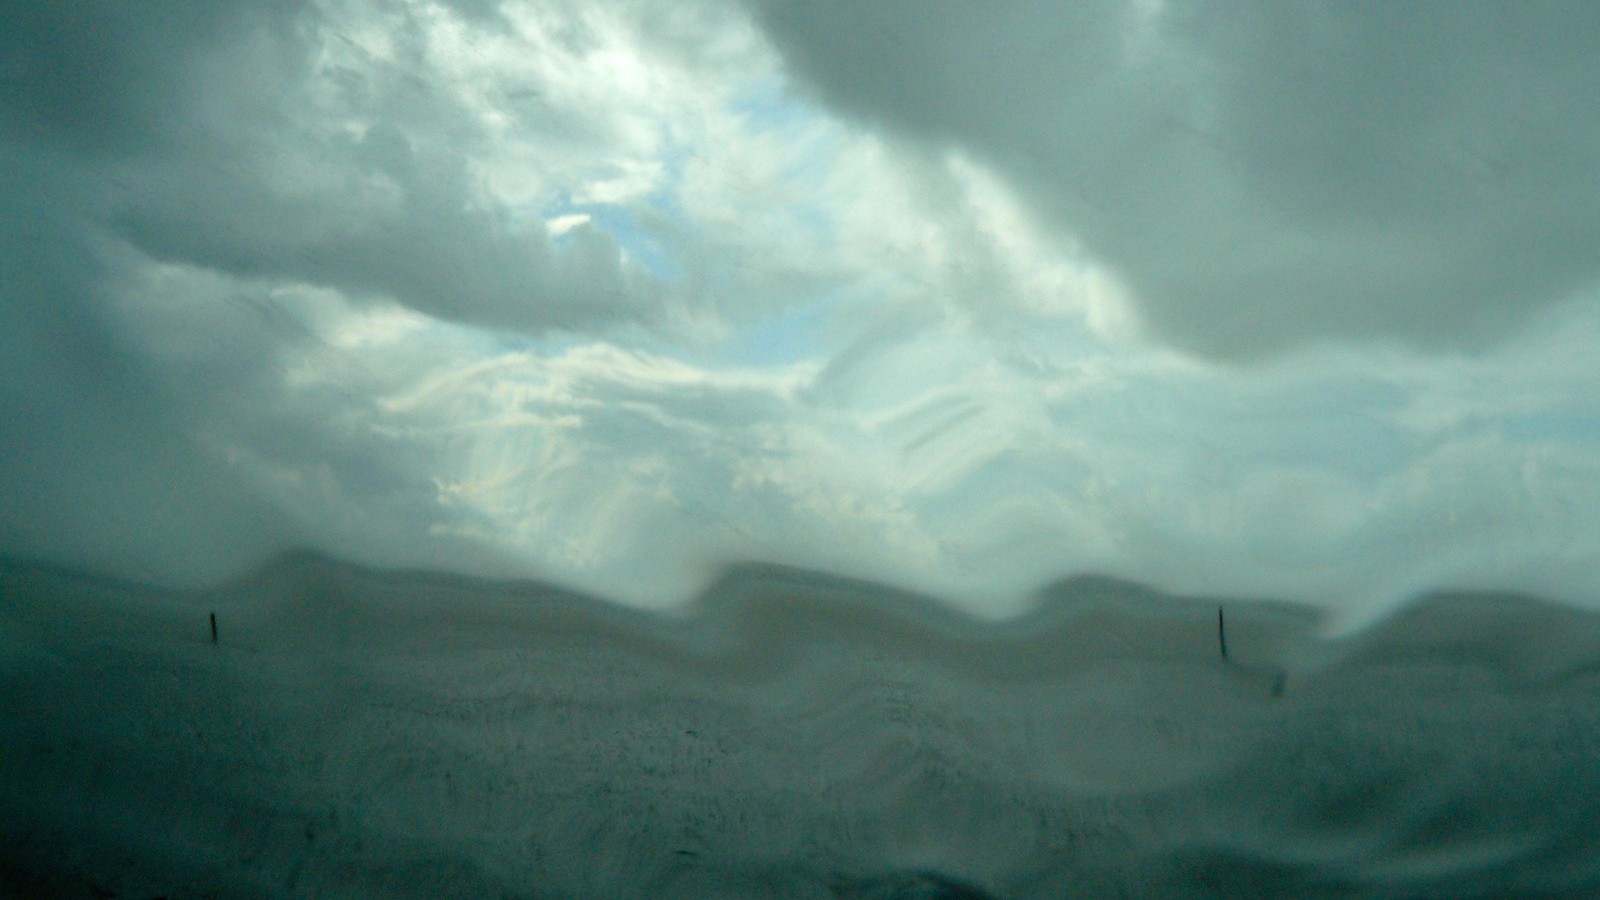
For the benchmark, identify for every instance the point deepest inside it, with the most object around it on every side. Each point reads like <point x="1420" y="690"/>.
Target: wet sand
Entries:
<point x="357" y="733"/>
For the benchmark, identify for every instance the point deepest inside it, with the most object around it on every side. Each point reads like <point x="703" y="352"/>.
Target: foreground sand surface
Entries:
<point x="356" y="733"/>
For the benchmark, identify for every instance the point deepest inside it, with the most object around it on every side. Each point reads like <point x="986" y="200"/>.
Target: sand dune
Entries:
<point x="357" y="733"/>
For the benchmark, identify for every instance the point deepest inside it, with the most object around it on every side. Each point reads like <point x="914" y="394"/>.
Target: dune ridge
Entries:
<point x="359" y="732"/>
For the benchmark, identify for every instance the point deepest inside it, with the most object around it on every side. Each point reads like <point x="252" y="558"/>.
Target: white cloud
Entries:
<point x="588" y="292"/>
<point x="960" y="471"/>
<point x="562" y="224"/>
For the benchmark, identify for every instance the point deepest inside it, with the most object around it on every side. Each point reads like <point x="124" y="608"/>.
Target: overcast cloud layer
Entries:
<point x="1261" y="174"/>
<point x="961" y="298"/>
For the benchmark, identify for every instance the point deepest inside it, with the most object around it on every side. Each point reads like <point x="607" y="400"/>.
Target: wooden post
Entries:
<point x="213" y="628"/>
<point x="1222" y="636"/>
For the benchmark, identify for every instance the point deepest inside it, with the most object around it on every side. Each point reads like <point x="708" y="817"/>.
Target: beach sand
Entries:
<point x="360" y="733"/>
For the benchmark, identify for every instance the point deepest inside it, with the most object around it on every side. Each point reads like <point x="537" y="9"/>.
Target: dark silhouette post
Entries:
<point x="214" y="629"/>
<point x="1222" y="636"/>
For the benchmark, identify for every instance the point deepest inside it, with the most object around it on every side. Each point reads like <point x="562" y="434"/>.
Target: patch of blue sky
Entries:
<point x="766" y="106"/>
<point x="796" y="334"/>
<point x="633" y="233"/>
<point x="641" y="243"/>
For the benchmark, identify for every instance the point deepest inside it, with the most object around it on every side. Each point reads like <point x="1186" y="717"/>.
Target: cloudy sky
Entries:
<point x="1298" y="300"/>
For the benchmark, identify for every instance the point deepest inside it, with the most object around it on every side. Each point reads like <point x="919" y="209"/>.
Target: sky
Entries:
<point x="1298" y="301"/>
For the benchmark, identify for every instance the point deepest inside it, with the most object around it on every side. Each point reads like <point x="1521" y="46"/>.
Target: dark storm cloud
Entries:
<point x="113" y="76"/>
<point x="97" y="464"/>
<point x="204" y="135"/>
<point x="223" y="148"/>
<point x="387" y="220"/>
<point x="1261" y="174"/>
